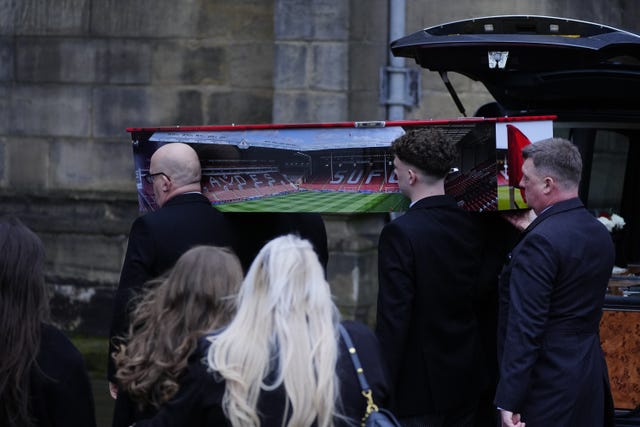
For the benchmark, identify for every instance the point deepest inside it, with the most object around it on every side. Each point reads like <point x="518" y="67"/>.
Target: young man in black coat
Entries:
<point x="429" y="266"/>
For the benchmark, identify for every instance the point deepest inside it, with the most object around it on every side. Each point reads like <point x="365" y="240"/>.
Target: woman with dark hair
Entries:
<point x="43" y="380"/>
<point x="196" y="297"/>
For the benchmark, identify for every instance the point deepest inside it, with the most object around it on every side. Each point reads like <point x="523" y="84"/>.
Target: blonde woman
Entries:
<point x="197" y="297"/>
<point x="280" y="361"/>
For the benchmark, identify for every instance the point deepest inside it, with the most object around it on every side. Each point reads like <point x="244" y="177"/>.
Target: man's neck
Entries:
<point x="427" y="191"/>
<point x="187" y="189"/>
<point x="559" y="197"/>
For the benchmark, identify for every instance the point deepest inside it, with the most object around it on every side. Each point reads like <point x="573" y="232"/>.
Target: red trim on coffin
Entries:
<point x="364" y="124"/>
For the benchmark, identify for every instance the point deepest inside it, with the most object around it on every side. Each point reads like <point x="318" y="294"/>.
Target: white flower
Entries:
<point x="618" y="222"/>
<point x="606" y="222"/>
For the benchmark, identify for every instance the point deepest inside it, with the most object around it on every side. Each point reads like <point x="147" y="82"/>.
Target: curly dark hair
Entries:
<point x="428" y="149"/>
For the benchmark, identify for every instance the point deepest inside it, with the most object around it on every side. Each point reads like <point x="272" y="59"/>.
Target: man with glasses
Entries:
<point x="185" y="219"/>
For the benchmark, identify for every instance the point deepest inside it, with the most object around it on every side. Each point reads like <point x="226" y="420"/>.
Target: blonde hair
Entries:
<point x="197" y="296"/>
<point x="286" y="326"/>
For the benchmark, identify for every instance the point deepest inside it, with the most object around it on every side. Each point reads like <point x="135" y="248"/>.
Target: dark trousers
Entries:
<point x="463" y="417"/>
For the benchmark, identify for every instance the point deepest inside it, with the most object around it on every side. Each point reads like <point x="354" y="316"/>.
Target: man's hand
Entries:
<point x="520" y="219"/>
<point x="509" y="419"/>
<point x="113" y="390"/>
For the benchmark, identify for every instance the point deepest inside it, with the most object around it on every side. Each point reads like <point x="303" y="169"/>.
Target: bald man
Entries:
<point x="157" y="239"/>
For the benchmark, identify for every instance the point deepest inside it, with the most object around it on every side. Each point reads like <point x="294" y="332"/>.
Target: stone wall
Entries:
<point x="74" y="74"/>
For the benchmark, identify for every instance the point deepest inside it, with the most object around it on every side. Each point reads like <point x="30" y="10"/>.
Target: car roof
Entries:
<point x="536" y="64"/>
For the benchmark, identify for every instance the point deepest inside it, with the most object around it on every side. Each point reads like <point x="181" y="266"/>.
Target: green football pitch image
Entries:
<point x="322" y="202"/>
<point x="504" y="199"/>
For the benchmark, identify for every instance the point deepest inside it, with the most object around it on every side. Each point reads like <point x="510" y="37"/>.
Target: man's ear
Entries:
<point x="549" y="183"/>
<point x="166" y="183"/>
<point x="413" y="177"/>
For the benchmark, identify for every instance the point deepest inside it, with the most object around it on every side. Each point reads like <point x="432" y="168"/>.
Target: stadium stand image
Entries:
<point x="332" y="167"/>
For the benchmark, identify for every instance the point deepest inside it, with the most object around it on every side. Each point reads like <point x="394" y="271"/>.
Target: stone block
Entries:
<point x="189" y="110"/>
<point x="37" y="17"/>
<point x="239" y="107"/>
<point x="65" y="212"/>
<point x="89" y="258"/>
<point x="293" y="20"/>
<point x="440" y="105"/>
<point x="434" y="105"/>
<point x="291" y="65"/>
<point x="235" y="20"/>
<point x="365" y="61"/>
<point x="318" y="20"/>
<point x="330" y="19"/>
<point x="116" y="108"/>
<point x="7" y="17"/>
<point x="354" y="283"/>
<point x="5" y="108"/>
<point x="50" y="110"/>
<point x="27" y="163"/>
<point x="353" y="233"/>
<point x="4" y="163"/>
<point x="56" y="60"/>
<point x="166" y="60"/>
<point x="369" y="21"/>
<point x="144" y="18"/>
<point x="120" y="61"/>
<point x="83" y="271"/>
<point x="365" y="106"/>
<point x="297" y="107"/>
<point x="352" y="269"/>
<point x="329" y="66"/>
<point x="190" y="63"/>
<point x="7" y="53"/>
<point x="81" y="165"/>
<point x="251" y="65"/>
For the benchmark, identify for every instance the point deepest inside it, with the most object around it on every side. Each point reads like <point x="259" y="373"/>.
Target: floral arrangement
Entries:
<point x="613" y="222"/>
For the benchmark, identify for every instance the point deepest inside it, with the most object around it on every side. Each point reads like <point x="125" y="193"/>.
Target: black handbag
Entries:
<point x="374" y="416"/>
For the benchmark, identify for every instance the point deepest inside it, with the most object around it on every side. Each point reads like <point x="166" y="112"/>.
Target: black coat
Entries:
<point x="156" y="241"/>
<point x="429" y="272"/>
<point x="61" y="393"/>
<point x="552" y="369"/>
<point x="198" y="403"/>
<point x="254" y="229"/>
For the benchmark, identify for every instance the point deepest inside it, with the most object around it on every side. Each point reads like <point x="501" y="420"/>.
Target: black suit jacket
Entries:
<point x="552" y="369"/>
<point x="429" y="262"/>
<point x="156" y="241"/>
<point x="254" y="229"/>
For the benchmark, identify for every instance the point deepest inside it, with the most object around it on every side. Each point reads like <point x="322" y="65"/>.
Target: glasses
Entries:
<point x="149" y="177"/>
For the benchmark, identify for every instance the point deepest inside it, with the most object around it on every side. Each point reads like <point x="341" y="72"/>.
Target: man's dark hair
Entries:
<point x="556" y="157"/>
<point x="428" y="149"/>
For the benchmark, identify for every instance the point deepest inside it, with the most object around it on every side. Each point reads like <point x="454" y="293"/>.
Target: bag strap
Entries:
<point x="364" y="385"/>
